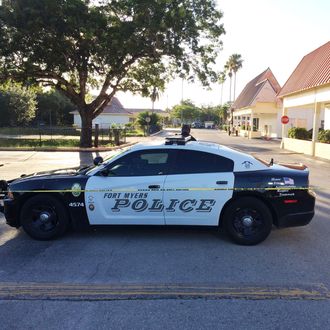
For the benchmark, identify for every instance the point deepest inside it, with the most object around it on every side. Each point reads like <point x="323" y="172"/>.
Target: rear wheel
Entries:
<point x="44" y="217"/>
<point x="248" y="221"/>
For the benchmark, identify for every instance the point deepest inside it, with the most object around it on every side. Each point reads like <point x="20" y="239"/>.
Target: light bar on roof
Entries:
<point x="178" y="139"/>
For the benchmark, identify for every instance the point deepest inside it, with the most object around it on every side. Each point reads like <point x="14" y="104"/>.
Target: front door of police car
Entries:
<point x="132" y="193"/>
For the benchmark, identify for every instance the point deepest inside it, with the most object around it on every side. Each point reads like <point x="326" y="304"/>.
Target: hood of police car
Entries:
<point x="58" y="174"/>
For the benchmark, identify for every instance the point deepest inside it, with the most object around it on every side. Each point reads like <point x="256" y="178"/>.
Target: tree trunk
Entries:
<point x="86" y="130"/>
<point x="234" y="86"/>
<point x="229" y="89"/>
<point x="221" y="94"/>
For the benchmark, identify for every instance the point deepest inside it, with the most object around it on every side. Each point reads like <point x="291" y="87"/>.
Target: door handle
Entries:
<point x="154" y="186"/>
<point x="222" y="182"/>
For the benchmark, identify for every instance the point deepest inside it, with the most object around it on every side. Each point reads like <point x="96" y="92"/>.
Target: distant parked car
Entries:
<point x="197" y="125"/>
<point x="209" y="124"/>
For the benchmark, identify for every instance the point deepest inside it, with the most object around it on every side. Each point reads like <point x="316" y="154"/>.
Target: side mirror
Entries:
<point x="98" y="160"/>
<point x="104" y="172"/>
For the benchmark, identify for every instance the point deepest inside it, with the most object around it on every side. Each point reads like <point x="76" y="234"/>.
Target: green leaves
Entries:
<point x="186" y="111"/>
<point x="17" y="104"/>
<point x="136" y="45"/>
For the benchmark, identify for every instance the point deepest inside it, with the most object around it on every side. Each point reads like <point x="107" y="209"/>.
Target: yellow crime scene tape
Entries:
<point x="162" y="190"/>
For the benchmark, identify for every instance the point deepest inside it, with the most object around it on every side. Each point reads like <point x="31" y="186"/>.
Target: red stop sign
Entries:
<point x="284" y="119"/>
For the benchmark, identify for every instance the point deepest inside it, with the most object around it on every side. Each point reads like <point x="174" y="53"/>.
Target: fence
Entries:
<point x="65" y="136"/>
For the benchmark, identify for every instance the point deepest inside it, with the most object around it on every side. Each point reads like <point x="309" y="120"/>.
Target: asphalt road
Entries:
<point x="156" y="278"/>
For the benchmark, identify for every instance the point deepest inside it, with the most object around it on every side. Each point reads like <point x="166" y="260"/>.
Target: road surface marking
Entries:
<point x="96" y="292"/>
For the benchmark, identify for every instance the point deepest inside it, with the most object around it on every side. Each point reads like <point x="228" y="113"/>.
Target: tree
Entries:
<point x="154" y="97"/>
<point x="223" y="113"/>
<point x="221" y="80"/>
<point x="209" y="114"/>
<point x="233" y="64"/>
<point x="229" y="71"/>
<point x="237" y="63"/>
<point x="80" y="45"/>
<point x="18" y="104"/>
<point x="185" y="111"/>
<point x="54" y="108"/>
<point x="152" y="124"/>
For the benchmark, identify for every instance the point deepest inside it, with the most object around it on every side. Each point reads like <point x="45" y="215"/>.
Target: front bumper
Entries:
<point x="11" y="213"/>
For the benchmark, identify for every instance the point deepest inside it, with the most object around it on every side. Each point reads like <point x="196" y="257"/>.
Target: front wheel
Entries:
<point x="44" y="217"/>
<point x="248" y="221"/>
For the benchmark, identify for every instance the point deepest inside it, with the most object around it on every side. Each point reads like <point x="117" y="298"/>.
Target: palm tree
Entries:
<point x="233" y="64"/>
<point x="237" y="64"/>
<point x="222" y="79"/>
<point x="229" y="71"/>
<point x="154" y="97"/>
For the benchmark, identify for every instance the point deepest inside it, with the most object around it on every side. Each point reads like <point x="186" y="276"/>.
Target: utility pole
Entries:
<point x="181" y="100"/>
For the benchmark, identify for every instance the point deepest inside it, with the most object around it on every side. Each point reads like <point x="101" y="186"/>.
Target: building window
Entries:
<point x="255" y="124"/>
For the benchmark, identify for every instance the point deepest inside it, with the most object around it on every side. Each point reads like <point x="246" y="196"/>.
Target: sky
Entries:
<point x="267" y="33"/>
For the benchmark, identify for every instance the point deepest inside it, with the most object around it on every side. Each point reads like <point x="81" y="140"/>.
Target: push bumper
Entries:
<point x="10" y="211"/>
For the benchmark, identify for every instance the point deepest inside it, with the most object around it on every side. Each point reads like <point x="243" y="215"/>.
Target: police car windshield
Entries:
<point x="112" y="155"/>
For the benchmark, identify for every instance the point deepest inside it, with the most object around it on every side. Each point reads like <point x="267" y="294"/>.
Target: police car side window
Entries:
<point x="190" y="161"/>
<point x="141" y="163"/>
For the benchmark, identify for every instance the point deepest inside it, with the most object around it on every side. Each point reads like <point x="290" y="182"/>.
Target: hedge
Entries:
<point x="299" y="133"/>
<point x="324" y="136"/>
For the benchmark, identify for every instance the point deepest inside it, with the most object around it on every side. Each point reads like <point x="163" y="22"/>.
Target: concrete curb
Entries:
<point x="69" y="149"/>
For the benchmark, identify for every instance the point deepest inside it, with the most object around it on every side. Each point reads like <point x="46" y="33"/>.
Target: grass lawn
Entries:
<point x="35" y="143"/>
<point x="134" y="133"/>
<point x="37" y="131"/>
<point x="66" y="131"/>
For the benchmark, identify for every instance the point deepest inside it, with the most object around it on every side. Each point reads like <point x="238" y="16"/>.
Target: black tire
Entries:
<point x="248" y="221"/>
<point x="44" y="217"/>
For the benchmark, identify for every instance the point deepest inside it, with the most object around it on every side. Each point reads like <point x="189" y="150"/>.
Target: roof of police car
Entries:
<point x="238" y="157"/>
<point x="205" y="146"/>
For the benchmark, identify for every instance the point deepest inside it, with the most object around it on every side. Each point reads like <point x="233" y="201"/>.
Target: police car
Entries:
<point x="171" y="182"/>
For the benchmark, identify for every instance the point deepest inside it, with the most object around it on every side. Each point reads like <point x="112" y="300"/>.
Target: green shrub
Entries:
<point x="299" y="133"/>
<point x="324" y="136"/>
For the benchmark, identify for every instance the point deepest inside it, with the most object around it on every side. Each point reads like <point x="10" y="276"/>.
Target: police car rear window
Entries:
<point x="190" y="161"/>
<point x="155" y="158"/>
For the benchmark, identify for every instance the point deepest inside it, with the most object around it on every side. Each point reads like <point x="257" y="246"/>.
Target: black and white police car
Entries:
<point x="176" y="182"/>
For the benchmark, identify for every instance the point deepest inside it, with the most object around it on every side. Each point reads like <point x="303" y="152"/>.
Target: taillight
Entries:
<point x="290" y="201"/>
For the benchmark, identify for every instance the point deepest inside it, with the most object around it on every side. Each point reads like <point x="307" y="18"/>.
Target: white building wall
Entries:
<point x="268" y="124"/>
<point x="327" y="117"/>
<point x="105" y="120"/>
<point x="300" y="117"/>
<point x="321" y="94"/>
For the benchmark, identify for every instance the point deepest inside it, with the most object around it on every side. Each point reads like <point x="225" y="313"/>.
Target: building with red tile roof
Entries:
<point x="312" y="71"/>
<point x="307" y="93"/>
<point x="256" y="108"/>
